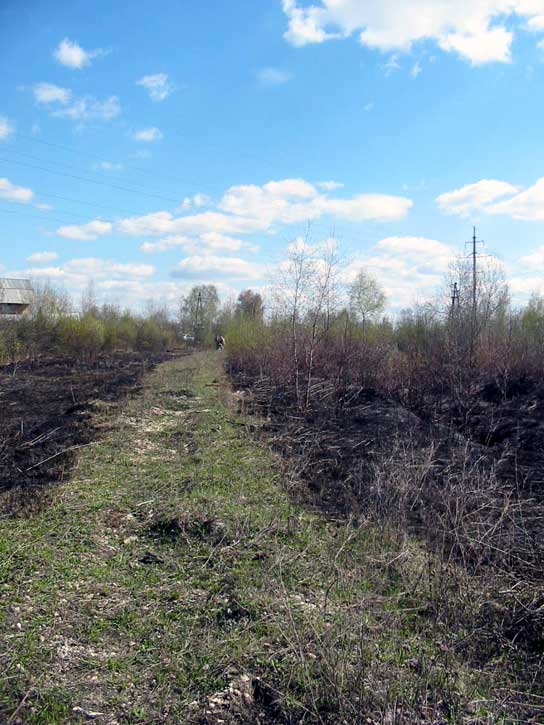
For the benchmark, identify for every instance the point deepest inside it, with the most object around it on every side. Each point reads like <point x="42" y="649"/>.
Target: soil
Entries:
<point x="47" y="410"/>
<point x="498" y="425"/>
<point x="507" y="420"/>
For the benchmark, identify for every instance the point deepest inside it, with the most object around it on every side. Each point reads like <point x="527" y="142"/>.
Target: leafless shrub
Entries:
<point x="460" y="504"/>
<point x="486" y="533"/>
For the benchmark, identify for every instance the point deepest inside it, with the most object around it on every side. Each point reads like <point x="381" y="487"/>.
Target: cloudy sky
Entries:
<point x="151" y="146"/>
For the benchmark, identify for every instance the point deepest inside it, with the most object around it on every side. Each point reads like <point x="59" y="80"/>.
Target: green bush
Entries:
<point x="150" y="337"/>
<point x="11" y="347"/>
<point x="80" y="337"/>
<point x="127" y="332"/>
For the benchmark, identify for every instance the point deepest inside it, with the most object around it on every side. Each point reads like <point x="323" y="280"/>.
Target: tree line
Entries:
<point x="320" y="327"/>
<point x="53" y="327"/>
<point x="317" y="321"/>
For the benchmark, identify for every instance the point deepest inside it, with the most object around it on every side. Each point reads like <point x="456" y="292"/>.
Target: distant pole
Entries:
<point x="474" y="274"/>
<point x="199" y="322"/>
<point x="474" y="292"/>
<point x="454" y="298"/>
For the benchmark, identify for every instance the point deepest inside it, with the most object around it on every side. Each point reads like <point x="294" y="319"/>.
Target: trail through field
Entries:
<point x="178" y="578"/>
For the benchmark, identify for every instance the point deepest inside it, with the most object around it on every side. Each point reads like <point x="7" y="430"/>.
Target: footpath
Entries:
<point x="175" y="579"/>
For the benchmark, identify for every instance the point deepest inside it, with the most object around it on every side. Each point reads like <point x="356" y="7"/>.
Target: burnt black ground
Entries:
<point x="507" y="419"/>
<point x="46" y="411"/>
<point x="499" y="424"/>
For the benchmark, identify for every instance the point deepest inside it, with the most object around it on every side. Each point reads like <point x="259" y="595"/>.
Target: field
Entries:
<point x="184" y="573"/>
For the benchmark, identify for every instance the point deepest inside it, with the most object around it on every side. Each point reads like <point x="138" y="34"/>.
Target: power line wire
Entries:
<point x="89" y="155"/>
<point x="36" y="214"/>
<point x="64" y="165"/>
<point x="90" y="181"/>
<point x="116" y="209"/>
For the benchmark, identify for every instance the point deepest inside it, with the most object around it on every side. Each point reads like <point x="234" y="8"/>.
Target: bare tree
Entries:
<point x="307" y="295"/>
<point x="324" y="281"/>
<point x="468" y="322"/>
<point x="88" y="298"/>
<point x="291" y="294"/>
<point x="158" y="312"/>
<point x="49" y="302"/>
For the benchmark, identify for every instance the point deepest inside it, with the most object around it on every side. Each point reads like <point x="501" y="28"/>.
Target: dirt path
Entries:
<point x="173" y="580"/>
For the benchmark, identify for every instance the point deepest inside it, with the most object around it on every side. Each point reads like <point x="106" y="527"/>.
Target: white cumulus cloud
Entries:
<point x="108" y="275"/>
<point x="367" y="207"/>
<point x="480" y="31"/>
<point x="486" y="45"/>
<point x="6" y="128"/>
<point x="42" y="257"/>
<point x="214" y="240"/>
<point x="162" y="245"/>
<point x="210" y="264"/>
<point x="89" y="108"/>
<point x="148" y="135"/>
<point x="247" y="209"/>
<point x="47" y="93"/>
<point x="524" y="287"/>
<point x="410" y="268"/>
<point x="163" y="222"/>
<point x="527" y="205"/>
<point x="156" y="85"/>
<point x="97" y="268"/>
<point x="198" y="201"/>
<point x="208" y="241"/>
<point x="295" y="200"/>
<point x="61" y="104"/>
<point x="428" y="252"/>
<point x="10" y="192"/>
<point x="85" y="232"/>
<point x="72" y="55"/>
<point x="488" y="197"/>
<point x="474" y="197"/>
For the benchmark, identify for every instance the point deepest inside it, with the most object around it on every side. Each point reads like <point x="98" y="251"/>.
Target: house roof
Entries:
<point x="16" y="291"/>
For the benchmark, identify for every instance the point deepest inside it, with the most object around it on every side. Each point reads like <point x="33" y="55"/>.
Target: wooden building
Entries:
<point x="16" y="296"/>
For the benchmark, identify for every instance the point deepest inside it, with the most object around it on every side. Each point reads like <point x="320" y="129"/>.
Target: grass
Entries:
<point x="175" y="579"/>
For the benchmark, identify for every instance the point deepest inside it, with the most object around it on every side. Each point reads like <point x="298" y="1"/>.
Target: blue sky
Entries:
<point x="152" y="146"/>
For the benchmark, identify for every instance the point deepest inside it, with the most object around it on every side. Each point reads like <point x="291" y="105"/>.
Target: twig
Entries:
<point x="60" y="453"/>
<point x="40" y="438"/>
<point x="19" y="706"/>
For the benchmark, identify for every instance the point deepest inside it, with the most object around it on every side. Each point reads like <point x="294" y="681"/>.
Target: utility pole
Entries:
<point x="474" y="318"/>
<point x="455" y="298"/>
<point x="199" y="321"/>
<point x="474" y="275"/>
